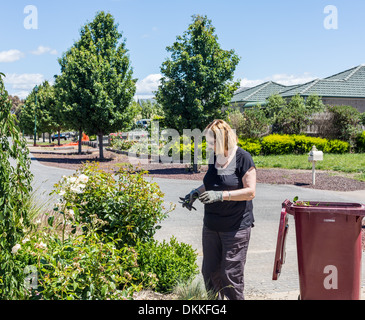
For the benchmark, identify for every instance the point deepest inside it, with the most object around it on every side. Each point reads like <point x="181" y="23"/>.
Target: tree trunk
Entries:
<point x="195" y="164"/>
<point x="80" y="139"/>
<point x="44" y="137"/>
<point x="101" y="147"/>
<point x="59" y="137"/>
<point x="50" y="137"/>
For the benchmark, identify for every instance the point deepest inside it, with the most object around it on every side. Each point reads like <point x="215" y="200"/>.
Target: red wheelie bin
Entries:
<point x="329" y="248"/>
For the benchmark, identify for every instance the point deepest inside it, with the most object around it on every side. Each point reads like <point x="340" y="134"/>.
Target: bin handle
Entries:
<point x="280" y="245"/>
<point x="287" y="204"/>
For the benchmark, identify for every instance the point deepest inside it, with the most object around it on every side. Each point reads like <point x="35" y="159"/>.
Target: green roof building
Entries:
<point x="344" y="88"/>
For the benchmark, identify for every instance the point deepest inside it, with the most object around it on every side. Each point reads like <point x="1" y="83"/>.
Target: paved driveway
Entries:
<point x="45" y="178"/>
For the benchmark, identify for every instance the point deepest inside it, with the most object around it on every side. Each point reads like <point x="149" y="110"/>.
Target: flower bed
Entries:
<point x="97" y="242"/>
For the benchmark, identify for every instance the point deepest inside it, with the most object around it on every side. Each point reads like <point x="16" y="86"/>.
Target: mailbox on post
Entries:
<point x="314" y="156"/>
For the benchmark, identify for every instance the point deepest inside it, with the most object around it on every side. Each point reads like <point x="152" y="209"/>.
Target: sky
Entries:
<point x="286" y="41"/>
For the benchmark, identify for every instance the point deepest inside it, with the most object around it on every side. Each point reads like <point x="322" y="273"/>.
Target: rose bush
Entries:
<point x="80" y="267"/>
<point x="98" y="243"/>
<point x="129" y="205"/>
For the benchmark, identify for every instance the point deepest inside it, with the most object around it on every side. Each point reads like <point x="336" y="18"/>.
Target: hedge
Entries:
<point x="292" y="144"/>
<point x="360" y="142"/>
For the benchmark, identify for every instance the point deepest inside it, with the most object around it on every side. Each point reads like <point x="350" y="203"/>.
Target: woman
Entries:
<point x="227" y="193"/>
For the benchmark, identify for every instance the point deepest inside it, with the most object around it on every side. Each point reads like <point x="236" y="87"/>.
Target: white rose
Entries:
<point x="25" y="240"/>
<point x="41" y="245"/>
<point x="83" y="178"/>
<point x="76" y="189"/>
<point x="71" y="213"/>
<point x="15" y="248"/>
<point x="71" y="179"/>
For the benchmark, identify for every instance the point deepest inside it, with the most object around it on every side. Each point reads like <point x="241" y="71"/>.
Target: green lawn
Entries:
<point x="353" y="164"/>
<point x="46" y="143"/>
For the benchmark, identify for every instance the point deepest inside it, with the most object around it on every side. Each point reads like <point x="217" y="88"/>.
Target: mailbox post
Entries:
<point x="314" y="156"/>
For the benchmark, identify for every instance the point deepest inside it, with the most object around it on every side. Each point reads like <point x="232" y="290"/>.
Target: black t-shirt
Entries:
<point x="228" y="215"/>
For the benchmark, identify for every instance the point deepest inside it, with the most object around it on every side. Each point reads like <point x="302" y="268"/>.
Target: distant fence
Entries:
<point x="321" y="124"/>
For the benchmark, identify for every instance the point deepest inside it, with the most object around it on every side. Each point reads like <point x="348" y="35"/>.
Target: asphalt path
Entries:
<point x="186" y="226"/>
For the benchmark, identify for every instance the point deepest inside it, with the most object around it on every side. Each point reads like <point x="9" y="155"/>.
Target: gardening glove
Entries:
<point x="208" y="197"/>
<point x="189" y="199"/>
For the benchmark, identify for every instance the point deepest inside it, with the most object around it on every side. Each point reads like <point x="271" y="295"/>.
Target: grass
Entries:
<point x="47" y="143"/>
<point x="349" y="164"/>
<point x="192" y="290"/>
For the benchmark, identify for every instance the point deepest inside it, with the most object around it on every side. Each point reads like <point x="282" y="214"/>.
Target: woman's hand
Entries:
<point x="208" y="197"/>
<point x="190" y="199"/>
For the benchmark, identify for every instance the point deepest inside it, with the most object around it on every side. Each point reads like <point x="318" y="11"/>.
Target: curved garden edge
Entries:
<point x="325" y="180"/>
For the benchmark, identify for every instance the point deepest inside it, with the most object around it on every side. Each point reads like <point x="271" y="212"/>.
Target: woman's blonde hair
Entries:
<point x="224" y="136"/>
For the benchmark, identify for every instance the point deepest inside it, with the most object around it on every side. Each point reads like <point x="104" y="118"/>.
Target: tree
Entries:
<point x="255" y="123"/>
<point x="198" y="78"/>
<point x="96" y="86"/>
<point x="292" y="117"/>
<point x="48" y="118"/>
<point x="345" y="123"/>
<point x="149" y="109"/>
<point x="15" y="188"/>
<point x="273" y="106"/>
<point x="17" y="104"/>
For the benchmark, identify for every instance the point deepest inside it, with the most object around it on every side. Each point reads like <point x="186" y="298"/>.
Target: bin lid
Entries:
<point x="347" y="208"/>
<point x="280" y="244"/>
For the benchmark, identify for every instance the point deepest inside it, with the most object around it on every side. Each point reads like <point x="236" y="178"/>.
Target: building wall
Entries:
<point x="359" y="103"/>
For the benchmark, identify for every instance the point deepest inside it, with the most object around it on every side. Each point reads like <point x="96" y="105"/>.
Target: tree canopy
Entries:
<point x="198" y="78"/>
<point x="96" y="84"/>
<point x="48" y="119"/>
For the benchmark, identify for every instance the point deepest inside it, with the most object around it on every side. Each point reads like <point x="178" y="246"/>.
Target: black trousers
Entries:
<point x="224" y="258"/>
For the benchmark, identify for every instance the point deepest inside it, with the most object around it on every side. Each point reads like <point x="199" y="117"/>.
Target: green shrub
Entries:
<point x="301" y="144"/>
<point x="345" y="123"/>
<point x="171" y="262"/>
<point x="255" y="123"/>
<point x="360" y="142"/>
<point x="337" y="146"/>
<point x="117" y="142"/>
<point x="185" y="148"/>
<point x="362" y="118"/>
<point x="251" y="146"/>
<point x="304" y="144"/>
<point x="81" y="267"/>
<point x="129" y="205"/>
<point x="15" y="188"/>
<point x="277" y="144"/>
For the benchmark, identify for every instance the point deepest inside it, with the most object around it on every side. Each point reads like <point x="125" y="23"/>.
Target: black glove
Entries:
<point x="189" y="199"/>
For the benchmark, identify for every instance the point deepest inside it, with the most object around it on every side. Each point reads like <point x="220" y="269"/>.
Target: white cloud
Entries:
<point x="282" y="78"/>
<point x="42" y="50"/>
<point x="146" y="86"/>
<point x="150" y="34"/>
<point x="11" y="55"/>
<point x="22" y="84"/>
